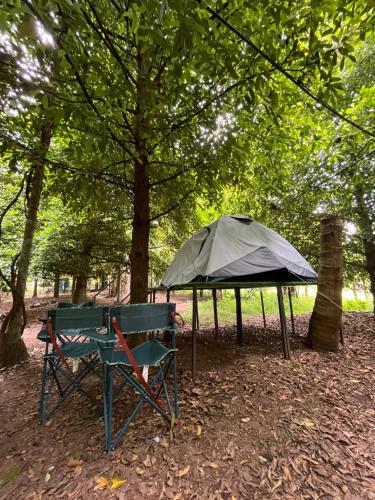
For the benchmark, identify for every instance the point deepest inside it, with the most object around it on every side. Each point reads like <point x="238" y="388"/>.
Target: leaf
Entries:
<point x="183" y="472"/>
<point x="102" y="482"/>
<point x="199" y="430"/>
<point x="47" y="477"/>
<point x="213" y="465"/>
<point x="116" y="483"/>
<point x="74" y="462"/>
<point x="246" y="419"/>
<point x="13" y="473"/>
<point x="307" y="424"/>
<point x="139" y="471"/>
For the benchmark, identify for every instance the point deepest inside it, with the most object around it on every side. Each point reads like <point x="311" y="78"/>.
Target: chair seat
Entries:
<point x="103" y="338"/>
<point x="147" y="354"/>
<point x="76" y="349"/>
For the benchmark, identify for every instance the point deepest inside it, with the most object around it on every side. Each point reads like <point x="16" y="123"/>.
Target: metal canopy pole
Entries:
<point x="291" y="310"/>
<point x="168" y="295"/>
<point x="263" y="313"/>
<point x="284" y="331"/>
<point x="214" y="299"/>
<point x="197" y="310"/>
<point x="237" y="293"/>
<point x="194" y="336"/>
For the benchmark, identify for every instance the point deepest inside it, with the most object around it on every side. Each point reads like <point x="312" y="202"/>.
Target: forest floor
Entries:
<point x="253" y="425"/>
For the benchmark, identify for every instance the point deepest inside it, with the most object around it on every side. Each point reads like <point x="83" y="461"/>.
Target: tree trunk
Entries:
<point x="80" y="290"/>
<point x="326" y="318"/>
<point x="139" y="254"/>
<point x="74" y="281"/>
<point x="35" y="291"/>
<point x="367" y="235"/>
<point x="12" y="347"/>
<point x="118" y="286"/>
<point x="56" y="286"/>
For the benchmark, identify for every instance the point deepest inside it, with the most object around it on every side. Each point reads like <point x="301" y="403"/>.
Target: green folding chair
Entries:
<point x="73" y="334"/>
<point x="132" y="364"/>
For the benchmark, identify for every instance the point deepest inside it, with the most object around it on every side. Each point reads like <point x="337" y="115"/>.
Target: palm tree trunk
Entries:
<point x="325" y="321"/>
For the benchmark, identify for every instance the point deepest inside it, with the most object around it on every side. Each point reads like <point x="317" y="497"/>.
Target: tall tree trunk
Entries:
<point x="80" y="290"/>
<point x="56" y="286"/>
<point x="35" y="291"/>
<point x="12" y="347"/>
<point x="74" y="281"/>
<point x="118" y="286"/>
<point x="139" y="255"/>
<point x="326" y="318"/>
<point x="367" y="235"/>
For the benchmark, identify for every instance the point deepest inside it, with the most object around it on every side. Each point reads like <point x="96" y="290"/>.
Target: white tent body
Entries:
<point x="233" y="247"/>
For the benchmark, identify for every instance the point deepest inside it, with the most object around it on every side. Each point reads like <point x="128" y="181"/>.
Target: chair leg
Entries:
<point x="42" y="401"/>
<point x="107" y="404"/>
<point x="175" y="387"/>
<point x="74" y="383"/>
<point x="134" y="411"/>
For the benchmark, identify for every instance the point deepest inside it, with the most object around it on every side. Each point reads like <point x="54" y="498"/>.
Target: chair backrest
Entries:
<point x="66" y="305"/>
<point x="136" y="318"/>
<point x="69" y="305"/>
<point x="78" y="318"/>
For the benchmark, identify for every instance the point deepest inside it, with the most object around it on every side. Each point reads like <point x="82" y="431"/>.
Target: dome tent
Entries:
<point x="236" y="248"/>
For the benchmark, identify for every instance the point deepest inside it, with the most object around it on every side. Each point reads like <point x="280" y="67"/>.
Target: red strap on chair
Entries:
<point x="180" y="323"/>
<point x="135" y="366"/>
<point x="56" y="346"/>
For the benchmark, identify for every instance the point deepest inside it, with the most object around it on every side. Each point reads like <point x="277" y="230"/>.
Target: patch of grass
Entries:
<point x="251" y="306"/>
<point x="358" y="305"/>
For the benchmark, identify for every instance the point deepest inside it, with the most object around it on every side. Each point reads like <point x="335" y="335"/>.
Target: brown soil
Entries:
<point x="253" y="425"/>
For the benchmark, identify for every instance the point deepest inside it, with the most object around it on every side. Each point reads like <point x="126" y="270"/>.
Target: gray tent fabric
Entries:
<point x="232" y="247"/>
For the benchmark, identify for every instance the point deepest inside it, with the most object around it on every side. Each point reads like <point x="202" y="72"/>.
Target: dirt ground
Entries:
<point x="253" y="425"/>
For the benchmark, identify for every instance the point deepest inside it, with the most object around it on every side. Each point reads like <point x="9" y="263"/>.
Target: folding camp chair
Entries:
<point x="133" y="365"/>
<point x="73" y="335"/>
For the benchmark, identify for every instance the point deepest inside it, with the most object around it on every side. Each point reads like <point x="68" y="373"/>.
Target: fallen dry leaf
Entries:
<point x="74" y="462"/>
<point x="102" y="482"/>
<point x="213" y="465"/>
<point x="307" y="423"/>
<point x="116" y="483"/>
<point x="183" y="472"/>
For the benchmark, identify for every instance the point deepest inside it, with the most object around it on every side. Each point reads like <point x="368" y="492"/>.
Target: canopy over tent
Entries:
<point x="236" y="248"/>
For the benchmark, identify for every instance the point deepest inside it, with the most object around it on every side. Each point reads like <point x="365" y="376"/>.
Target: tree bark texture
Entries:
<point x="325" y="321"/>
<point x="56" y="286"/>
<point x="139" y="255"/>
<point x="12" y="347"/>
<point x="35" y="291"/>
<point x="80" y="289"/>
